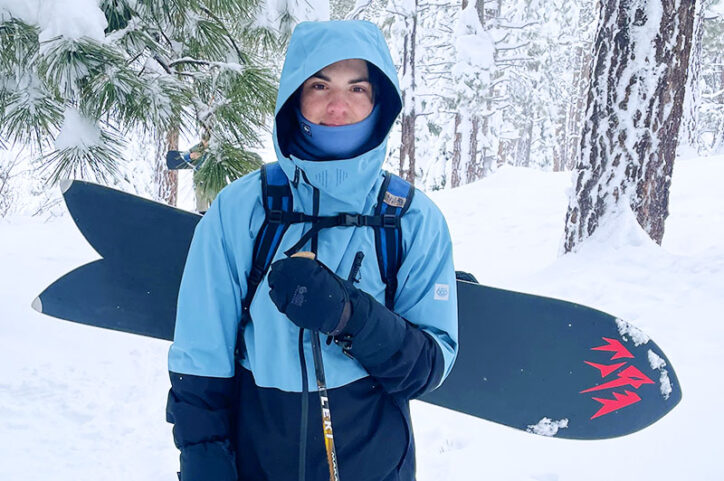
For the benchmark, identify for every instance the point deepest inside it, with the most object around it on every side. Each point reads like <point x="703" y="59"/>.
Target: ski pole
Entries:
<point x="326" y="415"/>
<point x="323" y="397"/>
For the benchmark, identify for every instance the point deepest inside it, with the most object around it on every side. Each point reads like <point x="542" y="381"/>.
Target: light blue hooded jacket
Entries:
<point x="220" y="258"/>
<point x="219" y="261"/>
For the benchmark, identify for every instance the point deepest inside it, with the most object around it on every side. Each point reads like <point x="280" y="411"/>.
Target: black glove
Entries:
<point x="312" y="296"/>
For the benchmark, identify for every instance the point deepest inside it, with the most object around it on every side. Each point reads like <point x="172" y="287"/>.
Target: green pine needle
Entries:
<point x="200" y="67"/>
<point x="30" y="116"/>
<point x="223" y="165"/>
<point x="98" y="162"/>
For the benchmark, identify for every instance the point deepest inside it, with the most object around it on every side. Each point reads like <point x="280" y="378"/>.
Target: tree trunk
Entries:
<point x="475" y="161"/>
<point x="471" y="159"/>
<point x="689" y="119"/>
<point x="561" y="135"/>
<point x="407" y="147"/>
<point x="523" y="145"/>
<point x="718" y="144"/>
<point x="577" y="111"/>
<point x="489" y="153"/>
<point x="167" y="180"/>
<point x="634" y="110"/>
<point x="455" y="180"/>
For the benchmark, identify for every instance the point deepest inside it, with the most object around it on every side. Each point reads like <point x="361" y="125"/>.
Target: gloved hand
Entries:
<point x="312" y="296"/>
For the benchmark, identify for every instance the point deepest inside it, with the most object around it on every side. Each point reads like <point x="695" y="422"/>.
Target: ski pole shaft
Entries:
<point x="326" y="414"/>
<point x="323" y="397"/>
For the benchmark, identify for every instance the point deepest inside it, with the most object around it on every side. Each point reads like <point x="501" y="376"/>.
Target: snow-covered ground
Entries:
<point x="78" y="403"/>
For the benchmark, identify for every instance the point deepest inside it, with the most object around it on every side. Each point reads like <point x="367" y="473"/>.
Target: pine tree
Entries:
<point x="544" y="80"/>
<point x="634" y="110"/>
<point x="191" y="67"/>
<point x="472" y="75"/>
<point x="710" y="88"/>
<point x="432" y="97"/>
<point x="689" y="119"/>
<point x="405" y="28"/>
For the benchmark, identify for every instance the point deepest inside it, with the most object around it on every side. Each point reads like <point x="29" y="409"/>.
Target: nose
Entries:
<point x="337" y="106"/>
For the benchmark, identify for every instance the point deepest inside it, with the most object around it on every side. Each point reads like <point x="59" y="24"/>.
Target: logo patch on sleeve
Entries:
<point x="442" y="292"/>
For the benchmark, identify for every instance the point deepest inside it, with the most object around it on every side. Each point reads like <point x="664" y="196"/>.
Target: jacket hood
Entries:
<point x="313" y="46"/>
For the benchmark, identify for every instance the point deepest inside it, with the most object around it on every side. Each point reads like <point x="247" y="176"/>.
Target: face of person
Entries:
<point x="339" y="94"/>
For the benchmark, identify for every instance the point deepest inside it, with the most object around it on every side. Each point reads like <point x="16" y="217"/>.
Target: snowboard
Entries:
<point x="542" y="365"/>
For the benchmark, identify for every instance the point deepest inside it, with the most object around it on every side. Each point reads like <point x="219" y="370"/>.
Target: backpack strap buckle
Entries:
<point x="390" y="221"/>
<point x="275" y="216"/>
<point x="355" y="220"/>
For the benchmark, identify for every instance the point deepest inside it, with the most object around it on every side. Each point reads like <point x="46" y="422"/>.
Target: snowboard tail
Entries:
<point x="99" y="294"/>
<point x="553" y="367"/>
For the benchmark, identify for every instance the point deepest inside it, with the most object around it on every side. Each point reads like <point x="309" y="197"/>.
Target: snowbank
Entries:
<point x="78" y="403"/>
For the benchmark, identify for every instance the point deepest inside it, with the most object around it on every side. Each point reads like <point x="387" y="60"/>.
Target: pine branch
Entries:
<point x="98" y="161"/>
<point x="30" y="116"/>
<point x="163" y="64"/>
<point x="66" y="64"/>
<point x="189" y="61"/>
<point x="239" y="54"/>
<point x="224" y="164"/>
<point x="118" y="83"/>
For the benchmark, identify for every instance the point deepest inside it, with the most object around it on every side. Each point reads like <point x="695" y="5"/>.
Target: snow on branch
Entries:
<point x="359" y="7"/>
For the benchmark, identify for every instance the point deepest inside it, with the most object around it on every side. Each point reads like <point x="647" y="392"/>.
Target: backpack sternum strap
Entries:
<point x="386" y="221"/>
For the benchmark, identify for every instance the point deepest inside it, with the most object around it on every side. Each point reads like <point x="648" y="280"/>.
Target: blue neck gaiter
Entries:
<point x="312" y="141"/>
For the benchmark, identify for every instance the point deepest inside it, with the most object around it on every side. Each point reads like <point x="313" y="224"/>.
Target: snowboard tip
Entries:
<point x="37" y="305"/>
<point x="65" y="185"/>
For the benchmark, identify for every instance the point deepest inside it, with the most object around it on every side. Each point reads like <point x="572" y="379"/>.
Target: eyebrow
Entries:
<point x="353" y="81"/>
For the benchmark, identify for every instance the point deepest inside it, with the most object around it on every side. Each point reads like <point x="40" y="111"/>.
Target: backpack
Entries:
<point x="393" y="200"/>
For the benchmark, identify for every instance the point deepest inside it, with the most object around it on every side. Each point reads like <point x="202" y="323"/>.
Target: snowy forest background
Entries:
<point x="101" y="89"/>
<point x="566" y="110"/>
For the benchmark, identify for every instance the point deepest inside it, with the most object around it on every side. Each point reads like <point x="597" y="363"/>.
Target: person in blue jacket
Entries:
<point x="338" y="99"/>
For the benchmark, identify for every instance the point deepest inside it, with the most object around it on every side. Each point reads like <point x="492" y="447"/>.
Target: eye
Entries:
<point x="359" y="89"/>
<point x="317" y="86"/>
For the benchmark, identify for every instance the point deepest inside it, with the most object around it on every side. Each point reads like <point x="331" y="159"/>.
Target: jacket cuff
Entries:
<point x="373" y="333"/>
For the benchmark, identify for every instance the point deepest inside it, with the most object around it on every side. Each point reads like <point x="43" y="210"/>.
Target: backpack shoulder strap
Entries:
<point x="393" y="201"/>
<point x="277" y="200"/>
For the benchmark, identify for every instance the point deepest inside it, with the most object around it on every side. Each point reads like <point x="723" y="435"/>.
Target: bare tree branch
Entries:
<point x="358" y="9"/>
